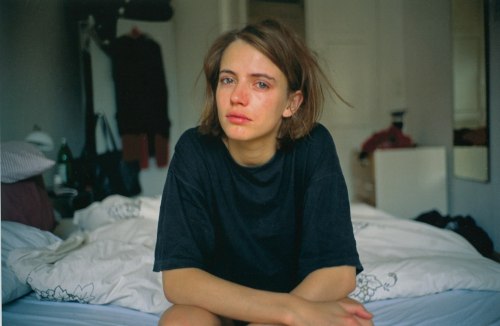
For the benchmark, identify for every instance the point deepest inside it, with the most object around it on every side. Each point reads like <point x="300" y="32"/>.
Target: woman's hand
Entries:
<point x="342" y="312"/>
<point x="355" y="307"/>
<point x="324" y="299"/>
<point x="194" y="287"/>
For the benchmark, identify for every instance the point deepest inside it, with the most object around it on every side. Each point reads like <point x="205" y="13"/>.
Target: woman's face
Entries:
<point x="252" y="96"/>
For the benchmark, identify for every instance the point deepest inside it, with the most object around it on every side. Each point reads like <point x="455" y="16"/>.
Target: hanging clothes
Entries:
<point x="141" y="98"/>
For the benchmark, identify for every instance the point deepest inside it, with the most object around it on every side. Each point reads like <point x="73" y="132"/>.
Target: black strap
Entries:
<point x="90" y="117"/>
<point x="106" y="132"/>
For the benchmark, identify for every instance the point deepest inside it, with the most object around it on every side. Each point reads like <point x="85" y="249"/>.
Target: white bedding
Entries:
<point x="29" y="311"/>
<point x="451" y="308"/>
<point x="406" y="258"/>
<point x="111" y="260"/>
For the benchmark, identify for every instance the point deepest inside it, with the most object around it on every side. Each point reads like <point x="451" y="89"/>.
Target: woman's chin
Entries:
<point x="238" y="133"/>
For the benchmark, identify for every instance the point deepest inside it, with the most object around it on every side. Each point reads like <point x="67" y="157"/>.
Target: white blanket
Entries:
<point x="111" y="259"/>
<point x="406" y="258"/>
<point x="113" y="264"/>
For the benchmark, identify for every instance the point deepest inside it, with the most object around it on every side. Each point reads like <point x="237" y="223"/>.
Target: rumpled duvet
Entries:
<point x="406" y="258"/>
<point x="110" y="260"/>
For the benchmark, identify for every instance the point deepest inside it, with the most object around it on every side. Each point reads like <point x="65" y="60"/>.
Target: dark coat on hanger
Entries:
<point x="141" y="97"/>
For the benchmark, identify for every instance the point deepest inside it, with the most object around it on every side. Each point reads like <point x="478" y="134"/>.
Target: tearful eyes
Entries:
<point x="262" y="85"/>
<point x="229" y="81"/>
<point x="226" y="80"/>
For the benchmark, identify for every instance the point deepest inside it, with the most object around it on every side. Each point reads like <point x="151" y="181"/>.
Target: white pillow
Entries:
<point x="16" y="235"/>
<point x="21" y="160"/>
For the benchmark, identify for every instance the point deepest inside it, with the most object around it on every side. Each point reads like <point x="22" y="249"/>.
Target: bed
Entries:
<point x="101" y="274"/>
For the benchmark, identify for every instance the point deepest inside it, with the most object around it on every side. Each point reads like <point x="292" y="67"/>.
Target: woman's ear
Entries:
<point x="296" y="99"/>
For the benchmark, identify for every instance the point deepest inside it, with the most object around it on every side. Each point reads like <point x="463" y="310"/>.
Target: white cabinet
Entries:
<point x="403" y="182"/>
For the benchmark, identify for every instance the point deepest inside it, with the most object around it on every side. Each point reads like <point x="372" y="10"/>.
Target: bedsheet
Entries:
<point x="450" y="308"/>
<point x="111" y="263"/>
<point x="29" y="311"/>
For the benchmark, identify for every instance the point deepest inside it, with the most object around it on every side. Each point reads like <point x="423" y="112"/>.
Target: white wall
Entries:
<point x="39" y="74"/>
<point x="196" y="24"/>
<point x="360" y="45"/>
<point x="428" y="68"/>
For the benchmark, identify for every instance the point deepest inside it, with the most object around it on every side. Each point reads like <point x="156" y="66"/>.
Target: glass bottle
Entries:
<point x="65" y="163"/>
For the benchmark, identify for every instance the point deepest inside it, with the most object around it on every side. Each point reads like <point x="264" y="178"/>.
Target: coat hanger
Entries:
<point x="135" y="32"/>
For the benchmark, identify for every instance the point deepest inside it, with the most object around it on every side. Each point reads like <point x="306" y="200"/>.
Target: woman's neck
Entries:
<point x="250" y="154"/>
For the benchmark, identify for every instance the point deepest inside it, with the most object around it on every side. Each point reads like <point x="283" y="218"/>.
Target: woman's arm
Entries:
<point x="194" y="287"/>
<point x="331" y="286"/>
<point x="327" y="284"/>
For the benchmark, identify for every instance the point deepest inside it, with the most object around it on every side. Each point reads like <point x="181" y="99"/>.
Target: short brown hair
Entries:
<point x="290" y="54"/>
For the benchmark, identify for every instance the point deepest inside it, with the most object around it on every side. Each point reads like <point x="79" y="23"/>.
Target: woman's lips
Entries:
<point x="237" y="118"/>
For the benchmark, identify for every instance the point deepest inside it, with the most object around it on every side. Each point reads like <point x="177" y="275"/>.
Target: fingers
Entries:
<point x="363" y="321"/>
<point x="355" y="308"/>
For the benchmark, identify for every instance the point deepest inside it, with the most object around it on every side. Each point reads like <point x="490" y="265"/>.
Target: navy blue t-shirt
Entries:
<point x="265" y="227"/>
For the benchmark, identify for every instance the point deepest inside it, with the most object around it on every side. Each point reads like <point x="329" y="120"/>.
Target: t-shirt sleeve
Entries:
<point x="327" y="238"/>
<point x="185" y="234"/>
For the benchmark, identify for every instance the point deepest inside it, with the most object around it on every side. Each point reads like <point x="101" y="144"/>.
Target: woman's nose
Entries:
<point x="239" y="94"/>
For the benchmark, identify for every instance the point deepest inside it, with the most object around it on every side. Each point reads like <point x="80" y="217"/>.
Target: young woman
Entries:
<point x="255" y="221"/>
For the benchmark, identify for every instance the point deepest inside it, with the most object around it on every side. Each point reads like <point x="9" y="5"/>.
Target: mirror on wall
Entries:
<point x="470" y="108"/>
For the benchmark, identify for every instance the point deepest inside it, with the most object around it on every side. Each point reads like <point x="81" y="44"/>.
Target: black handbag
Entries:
<point x="107" y="173"/>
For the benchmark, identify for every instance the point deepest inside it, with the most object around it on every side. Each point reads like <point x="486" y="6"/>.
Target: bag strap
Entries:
<point x="107" y="132"/>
